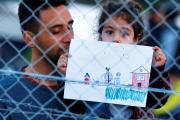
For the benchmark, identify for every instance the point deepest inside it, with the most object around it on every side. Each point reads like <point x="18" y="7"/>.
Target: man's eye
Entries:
<point x="56" y="31"/>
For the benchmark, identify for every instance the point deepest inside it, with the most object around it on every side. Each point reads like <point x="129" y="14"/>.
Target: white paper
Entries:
<point x="108" y="72"/>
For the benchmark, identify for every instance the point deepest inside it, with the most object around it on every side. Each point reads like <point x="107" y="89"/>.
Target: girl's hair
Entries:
<point x="129" y="11"/>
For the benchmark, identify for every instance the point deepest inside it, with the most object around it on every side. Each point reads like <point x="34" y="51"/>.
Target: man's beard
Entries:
<point x="54" y="60"/>
<point x="55" y="57"/>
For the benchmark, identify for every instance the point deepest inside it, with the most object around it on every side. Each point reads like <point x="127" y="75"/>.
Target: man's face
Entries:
<point x="55" y="32"/>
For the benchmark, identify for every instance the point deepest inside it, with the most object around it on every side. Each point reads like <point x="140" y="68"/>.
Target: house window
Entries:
<point x="140" y="77"/>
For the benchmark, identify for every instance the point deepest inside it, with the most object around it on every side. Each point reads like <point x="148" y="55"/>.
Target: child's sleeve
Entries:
<point x="158" y="79"/>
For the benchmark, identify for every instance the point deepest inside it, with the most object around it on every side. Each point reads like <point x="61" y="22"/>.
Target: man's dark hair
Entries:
<point x="29" y="10"/>
<point x="129" y="11"/>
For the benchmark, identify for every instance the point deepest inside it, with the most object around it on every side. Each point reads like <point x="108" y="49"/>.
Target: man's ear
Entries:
<point x="28" y="38"/>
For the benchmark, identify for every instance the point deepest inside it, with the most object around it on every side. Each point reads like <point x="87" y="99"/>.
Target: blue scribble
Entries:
<point x="115" y="93"/>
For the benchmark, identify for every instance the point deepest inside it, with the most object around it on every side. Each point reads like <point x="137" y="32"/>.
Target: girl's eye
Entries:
<point x="124" y="33"/>
<point x="109" y="32"/>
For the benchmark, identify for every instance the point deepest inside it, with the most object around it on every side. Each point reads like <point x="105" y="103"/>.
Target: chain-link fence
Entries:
<point x="35" y="37"/>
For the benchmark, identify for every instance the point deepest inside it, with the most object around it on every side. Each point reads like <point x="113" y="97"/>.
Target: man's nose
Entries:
<point x="69" y="35"/>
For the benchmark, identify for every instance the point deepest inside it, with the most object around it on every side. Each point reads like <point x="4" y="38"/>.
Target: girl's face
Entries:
<point x="118" y="30"/>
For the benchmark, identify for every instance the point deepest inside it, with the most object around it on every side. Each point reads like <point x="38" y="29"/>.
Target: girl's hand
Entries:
<point x="159" y="58"/>
<point x="62" y="63"/>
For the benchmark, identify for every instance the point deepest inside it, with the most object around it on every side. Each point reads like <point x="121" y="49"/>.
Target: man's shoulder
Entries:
<point x="7" y="79"/>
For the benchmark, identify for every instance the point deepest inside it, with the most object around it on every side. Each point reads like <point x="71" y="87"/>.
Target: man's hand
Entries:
<point x="159" y="58"/>
<point x="62" y="63"/>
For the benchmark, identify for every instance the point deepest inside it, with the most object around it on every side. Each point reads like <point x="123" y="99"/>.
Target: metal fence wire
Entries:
<point x="33" y="60"/>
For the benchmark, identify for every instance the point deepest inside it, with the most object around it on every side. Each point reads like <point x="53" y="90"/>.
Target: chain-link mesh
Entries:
<point x="31" y="82"/>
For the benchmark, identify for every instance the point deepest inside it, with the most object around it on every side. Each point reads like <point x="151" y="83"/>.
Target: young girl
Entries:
<point x="122" y="23"/>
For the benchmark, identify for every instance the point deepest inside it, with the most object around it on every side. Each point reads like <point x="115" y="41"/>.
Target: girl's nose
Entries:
<point x="117" y="38"/>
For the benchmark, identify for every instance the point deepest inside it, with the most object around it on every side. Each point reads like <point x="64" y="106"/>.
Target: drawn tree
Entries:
<point x="108" y="76"/>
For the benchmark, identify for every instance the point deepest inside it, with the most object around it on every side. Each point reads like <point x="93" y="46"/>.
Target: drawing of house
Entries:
<point x="140" y="77"/>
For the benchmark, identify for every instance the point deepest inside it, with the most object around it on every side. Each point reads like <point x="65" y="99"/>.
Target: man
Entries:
<point x="47" y="30"/>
